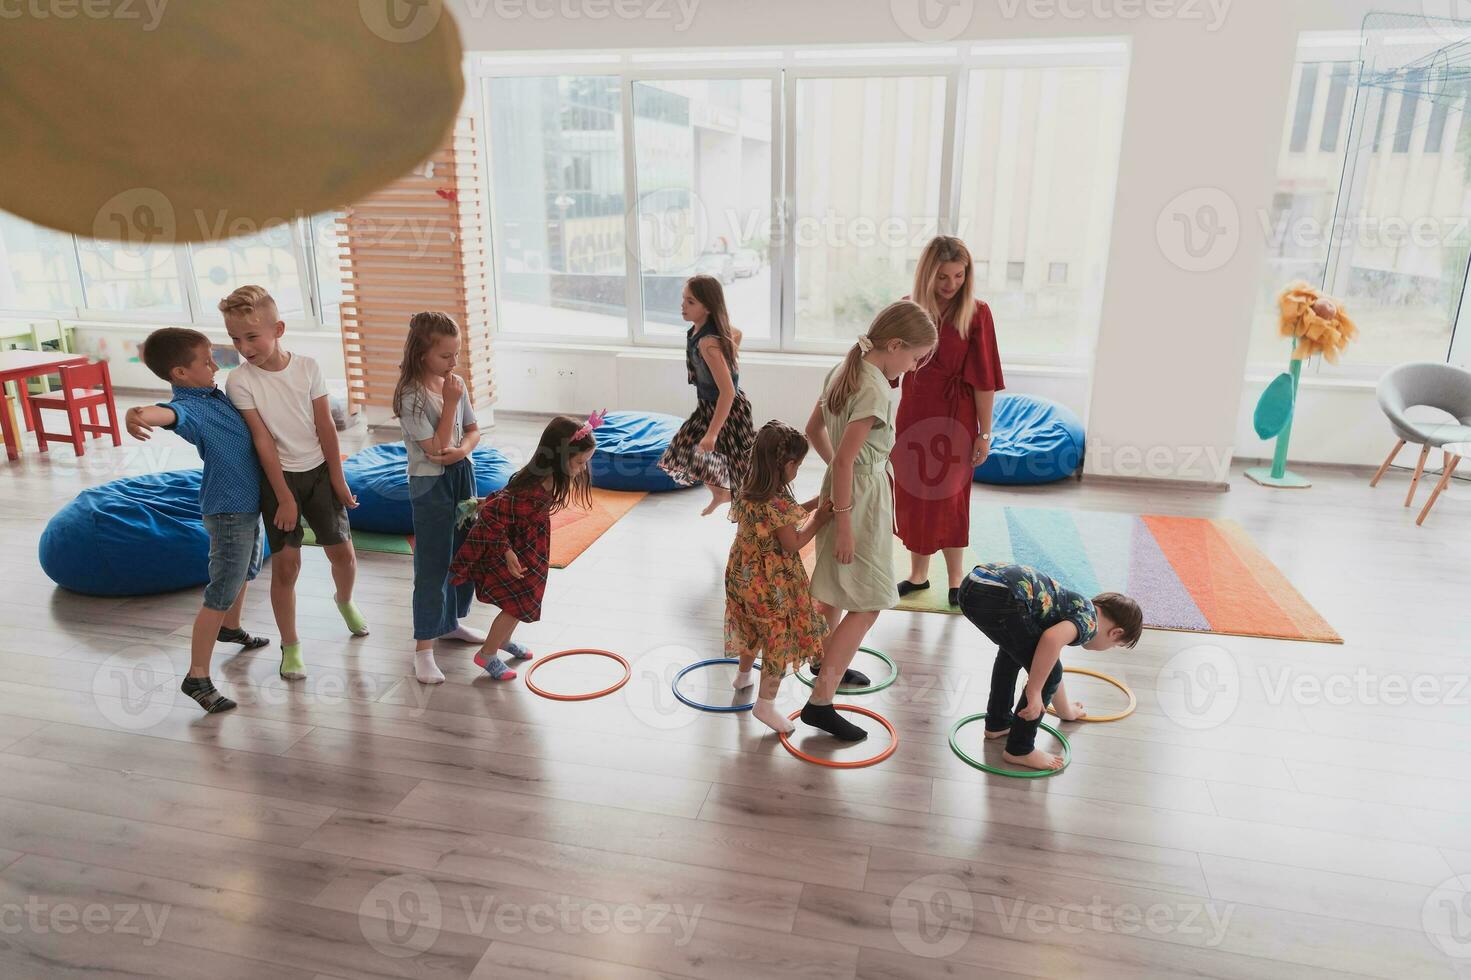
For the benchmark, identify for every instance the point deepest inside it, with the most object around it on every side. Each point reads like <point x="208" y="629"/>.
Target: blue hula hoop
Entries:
<point x="710" y="707"/>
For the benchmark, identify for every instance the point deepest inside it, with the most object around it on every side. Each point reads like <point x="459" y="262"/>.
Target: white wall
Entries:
<point x="1208" y="89"/>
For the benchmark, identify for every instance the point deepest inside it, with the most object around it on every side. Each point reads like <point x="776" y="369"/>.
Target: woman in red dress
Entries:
<point x="943" y="428"/>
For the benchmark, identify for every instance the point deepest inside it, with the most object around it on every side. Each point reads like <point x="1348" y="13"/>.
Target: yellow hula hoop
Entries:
<point x="1128" y="710"/>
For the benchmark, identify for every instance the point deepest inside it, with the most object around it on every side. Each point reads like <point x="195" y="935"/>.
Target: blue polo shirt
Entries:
<point x="205" y="418"/>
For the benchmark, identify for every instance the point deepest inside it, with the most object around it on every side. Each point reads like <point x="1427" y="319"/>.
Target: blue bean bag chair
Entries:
<point x="378" y="476"/>
<point x="629" y="447"/>
<point x="1033" y="440"/>
<point x="136" y="536"/>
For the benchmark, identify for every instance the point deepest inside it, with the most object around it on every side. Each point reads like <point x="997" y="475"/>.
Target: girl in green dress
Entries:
<point x="852" y="429"/>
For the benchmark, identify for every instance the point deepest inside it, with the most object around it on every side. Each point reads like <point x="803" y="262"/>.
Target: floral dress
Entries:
<point x="522" y="522"/>
<point x="768" y="603"/>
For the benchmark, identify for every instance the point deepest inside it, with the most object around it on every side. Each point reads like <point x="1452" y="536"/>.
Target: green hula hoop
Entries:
<point x="1067" y="752"/>
<point x="870" y="689"/>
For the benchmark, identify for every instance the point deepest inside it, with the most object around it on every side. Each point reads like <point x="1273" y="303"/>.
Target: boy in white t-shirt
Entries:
<point x="284" y="401"/>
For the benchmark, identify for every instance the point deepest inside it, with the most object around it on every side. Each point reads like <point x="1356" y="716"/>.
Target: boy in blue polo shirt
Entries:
<point x="229" y="495"/>
<point x="1031" y="617"/>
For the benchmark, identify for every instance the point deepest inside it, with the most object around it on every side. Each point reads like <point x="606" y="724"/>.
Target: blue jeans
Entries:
<point x="438" y="605"/>
<point x="234" y="556"/>
<point x="1006" y="623"/>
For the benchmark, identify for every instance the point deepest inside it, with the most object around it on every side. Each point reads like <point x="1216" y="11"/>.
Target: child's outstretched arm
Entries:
<point x="793" y="539"/>
<point x="855" y="434"/>
<point x="816" y="434"/>
<point x="331" y="449"/>
<point x="270" y="464"/>
<point x="141" y="420"/>
<point x="1048" y="652"/>
<point x="720" y="371"/>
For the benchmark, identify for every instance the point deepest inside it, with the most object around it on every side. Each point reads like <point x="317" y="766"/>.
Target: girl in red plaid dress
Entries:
<point x="507" y="550"/>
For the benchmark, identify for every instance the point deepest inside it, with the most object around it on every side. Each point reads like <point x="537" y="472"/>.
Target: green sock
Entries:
<point x="352" y="617"/>
<point x="292" y="669"/>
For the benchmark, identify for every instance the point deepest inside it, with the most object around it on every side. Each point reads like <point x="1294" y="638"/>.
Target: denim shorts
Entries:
<point x="234" y="556"/>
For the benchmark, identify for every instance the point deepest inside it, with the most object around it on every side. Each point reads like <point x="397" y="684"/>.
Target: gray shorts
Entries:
<point x="234" y="556"/>
<point x="316" y="504"/>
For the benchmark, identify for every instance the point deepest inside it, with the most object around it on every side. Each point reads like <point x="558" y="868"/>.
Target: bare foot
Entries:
<point x="718" y="496"/>
<point x="1070" y="710"/>
<point x="1001" y="734"/>
<point x="1035" y="759"/>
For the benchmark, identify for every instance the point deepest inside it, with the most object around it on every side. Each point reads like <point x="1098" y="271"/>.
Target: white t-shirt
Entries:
<point x="284" y="400"/>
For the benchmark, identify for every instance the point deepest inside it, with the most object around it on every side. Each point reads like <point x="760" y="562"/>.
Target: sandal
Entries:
<point x="243" y="638"/>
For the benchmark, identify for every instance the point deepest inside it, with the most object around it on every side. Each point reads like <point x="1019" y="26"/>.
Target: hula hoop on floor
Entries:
<point x="537" y="665"/>
<point x="893" y="741"/>
<point x="711" y="707"/>
<point x="1067" y="752"/>
<point x="870" y="689"/>
<point x="1128" y="709"/>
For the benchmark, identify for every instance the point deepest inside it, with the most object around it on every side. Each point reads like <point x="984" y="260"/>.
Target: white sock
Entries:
<point x="766" y="713"/>
<point x="742" y="680"/>
<point x="464" y="634"/>
<point x="425" y="669"/>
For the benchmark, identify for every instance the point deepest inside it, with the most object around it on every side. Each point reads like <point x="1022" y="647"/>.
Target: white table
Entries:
<point x="1453" y="453"/>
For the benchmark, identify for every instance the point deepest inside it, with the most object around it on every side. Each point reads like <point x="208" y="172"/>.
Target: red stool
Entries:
<point x="79" y="390"/>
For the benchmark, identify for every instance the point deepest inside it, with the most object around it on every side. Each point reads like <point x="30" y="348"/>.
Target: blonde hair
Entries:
<point x="961" y="311"/>
<point x="247" y="300"/>
<point x="905" y="321"/>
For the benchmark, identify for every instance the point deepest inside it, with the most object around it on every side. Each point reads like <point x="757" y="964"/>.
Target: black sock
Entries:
<point x="826" y="717"/>
<point x="851" y="677"/>
<point x="234" y="634"/>
<point x="202" y="690"/>
<point x="954" y="597"/>
<point x="907" y="587"/>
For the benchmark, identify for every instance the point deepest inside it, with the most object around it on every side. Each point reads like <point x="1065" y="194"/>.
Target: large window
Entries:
<point x="704" y="165"/>
<point x="1037" y="189"/>
<point x="125" y="277"/>
<point x="267" y="259"/>
<point x="807" y="181"/>
<point x="38" y="267"/>
<point x="556" y="172"/>
<point x="1371" y="202"/>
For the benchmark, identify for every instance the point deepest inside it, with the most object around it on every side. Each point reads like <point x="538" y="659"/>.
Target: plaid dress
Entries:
<point x="520" y="521"/>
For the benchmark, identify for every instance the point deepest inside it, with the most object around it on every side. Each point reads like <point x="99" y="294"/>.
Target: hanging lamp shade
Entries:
<point x="199" y="120"/>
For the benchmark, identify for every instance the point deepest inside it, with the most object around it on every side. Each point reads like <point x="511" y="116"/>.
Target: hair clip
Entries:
<point x="593" y="421"/>
<point x="864" y="343"/>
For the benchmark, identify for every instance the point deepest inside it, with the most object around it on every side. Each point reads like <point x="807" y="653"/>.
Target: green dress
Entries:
<point x="867" y="584"/>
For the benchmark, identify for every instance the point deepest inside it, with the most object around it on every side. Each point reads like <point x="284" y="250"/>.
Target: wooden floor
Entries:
<point x="357" y="824"/>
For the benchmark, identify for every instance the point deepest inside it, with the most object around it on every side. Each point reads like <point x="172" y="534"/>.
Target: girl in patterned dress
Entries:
<point x="508" y="548"/>
<point x="714" y="444"/>
<point x="768" y="602"/>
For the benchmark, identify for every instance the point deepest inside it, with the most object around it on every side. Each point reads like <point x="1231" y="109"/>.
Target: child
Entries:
<point x="1030" y="618"/>
<point x="852" y="428"/>
<point x="229" y="495"/>
<point x="284" y="401"/>
<point x="768" y="601"/>
<point x="713" y="445"/>
<point x="440" y="432"/>
<point x="508" y="547"/>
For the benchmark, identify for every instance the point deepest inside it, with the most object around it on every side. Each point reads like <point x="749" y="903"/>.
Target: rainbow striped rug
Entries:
<point x="1188" y="573"/>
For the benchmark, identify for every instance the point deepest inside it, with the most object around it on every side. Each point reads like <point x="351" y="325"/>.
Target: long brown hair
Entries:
<point x="777" y="444"/>
<point x="961" y="309"/>
<point x="424" y="330"/>
<point x="903" y="320"/>
<point x="708" y="292"/>
<point x="553" y="458"/>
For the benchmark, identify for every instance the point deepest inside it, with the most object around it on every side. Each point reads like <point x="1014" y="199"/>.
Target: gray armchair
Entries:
<point x="1431" y="383"/>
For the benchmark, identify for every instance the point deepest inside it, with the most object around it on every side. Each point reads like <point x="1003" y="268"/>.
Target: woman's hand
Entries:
<point x="981" y="451"/>
<point x="514" y="564"/>
<point x="843" y="545"/>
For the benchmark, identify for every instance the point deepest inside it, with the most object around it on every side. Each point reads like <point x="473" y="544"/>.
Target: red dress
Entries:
<point x="935" y="434"/>
<point x="522" y="522"/>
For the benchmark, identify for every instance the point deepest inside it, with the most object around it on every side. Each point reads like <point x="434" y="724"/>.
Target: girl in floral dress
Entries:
<point x="768" y="604"/>
<point x="508" y="547"/>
